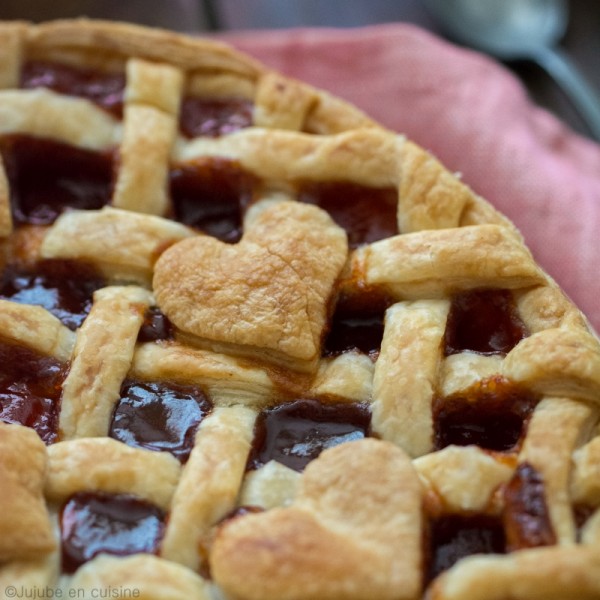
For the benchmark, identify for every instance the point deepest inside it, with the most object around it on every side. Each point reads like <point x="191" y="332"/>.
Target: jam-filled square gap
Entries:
<point x="159" y="416"/>
<point x="104" y="88"/>
<point x="485" y="321"/>
<point x="30" y="389"/>
<point x="214" y="117"/>
<point x="94" y="522"/>
<point x="357" y="323"/>
<point x="212" y="195"/>
<point x="366" y="214"/>
<point x="492" y="414"/>
<point x="64" y="288"/>
<point x="65" y="177"/>
<point x="294" y="433"/>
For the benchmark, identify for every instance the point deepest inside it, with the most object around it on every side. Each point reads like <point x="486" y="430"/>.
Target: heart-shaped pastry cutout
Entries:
<point x="353" y="532"/>
<point x="266" y="296"/>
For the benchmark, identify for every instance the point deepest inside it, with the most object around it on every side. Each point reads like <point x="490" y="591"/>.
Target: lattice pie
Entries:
<point x="253" y="346"/>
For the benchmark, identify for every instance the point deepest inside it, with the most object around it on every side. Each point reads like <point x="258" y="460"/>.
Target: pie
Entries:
<point x="254" y="346"/>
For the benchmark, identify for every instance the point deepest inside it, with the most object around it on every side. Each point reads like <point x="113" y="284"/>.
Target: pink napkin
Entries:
<point x="475" y="116"/>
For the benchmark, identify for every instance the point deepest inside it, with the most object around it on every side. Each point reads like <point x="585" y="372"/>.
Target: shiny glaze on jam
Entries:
<point x="367" y="214"/>
<point x="65" y="288"/>
<point x="357" y="324"/>
<point x="47" y="176"/>
<point x="526" y="518"/>
<point x="94" y="522"/>
<point x="453" y="537"/>
<point x="159" y="416"/>
<point x="214" y="117"/>
<point x="491" y="414"/>
<point x="483" y="321"/>
<point x="297" y="432"/>
<point x="156" y="326"/>
<point x="104" y="89"/>
<point x="30" y="389"/>
<point x="212" y="196"/>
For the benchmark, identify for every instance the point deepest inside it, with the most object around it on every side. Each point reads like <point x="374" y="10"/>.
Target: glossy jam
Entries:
<point x="492" y="414"/>
<point x="104" y="89"/>
<point x="93" y="522"/>
<point x="453" y="537"/>
<point x="214" y="117"/>
<point x="483" y="321"/>
<point x="297" y="432"/>
<point x="65" y="288"/>
<point x="159" y="416"/>
<point x="526" y="518"/>
<point x="357" y="324"/>
<point x="30" y="389"/>
<point x="46" y="177"/>
<point x="212" y="196"/>
<point x="156" y="326"/>
<point x="367" y="214"/>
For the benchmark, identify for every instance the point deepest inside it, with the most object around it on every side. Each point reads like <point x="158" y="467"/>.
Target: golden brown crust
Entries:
<point x="407" y="368"/>
<point x="553" y="573"/>
<point x="438" y="263"/>
<point x="265" y="297"/>
<point x="34" y="327"/>
<point x="146" y="576"/>
<point x="209" y="484"/>
<point x="121" y="244"/>
<point x="352" y="531"/>
<point x="24" y="520"/>
<point x="74" y="466"/>
<point x="101" y="359"/>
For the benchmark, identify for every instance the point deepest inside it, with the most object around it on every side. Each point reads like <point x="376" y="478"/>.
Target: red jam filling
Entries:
<point x="214" y="117"/>
<point x="159" y="416"/>
<point x="30" y="389"/>
<point x="156" y="326"/>
<point x="212" y="196"/>
<point x="46" y="177"/>
<point x="104" y="89"/>
<point x="93" y="522"/>
<point x="367" y="214"/>
<point x="483" y="321"/>
<point x="526" y="518"/>
<point x="492" y="414"/>
<point x="297" y="432"/>
<point x="453" y="537"/>
<point x="64" y="288"/>
<point x="357" y="324"/>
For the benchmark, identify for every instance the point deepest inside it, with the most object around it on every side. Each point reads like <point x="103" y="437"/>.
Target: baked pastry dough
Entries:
<point x="255" y="346"/>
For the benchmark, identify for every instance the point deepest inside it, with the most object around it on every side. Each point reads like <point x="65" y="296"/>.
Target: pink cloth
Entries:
<point x="475" y="116"/>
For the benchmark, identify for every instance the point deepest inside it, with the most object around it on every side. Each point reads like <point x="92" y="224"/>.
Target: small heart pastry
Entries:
<point x="353" y="532"/>
<point x="268" y="294"/>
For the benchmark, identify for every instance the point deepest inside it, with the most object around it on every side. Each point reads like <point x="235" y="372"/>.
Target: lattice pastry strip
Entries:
<point x="101" y="359"/>
<point x="150" y="122"/>
<point x="122" y="245"/>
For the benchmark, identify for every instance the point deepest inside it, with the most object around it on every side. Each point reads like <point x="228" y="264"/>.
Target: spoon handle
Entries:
<point x="566" y="74"/>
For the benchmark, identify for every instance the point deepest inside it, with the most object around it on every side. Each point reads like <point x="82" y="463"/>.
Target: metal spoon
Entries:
<point x="517" y="30"/>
